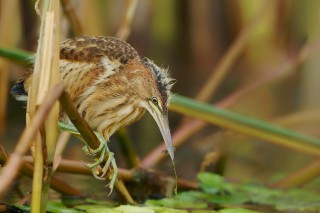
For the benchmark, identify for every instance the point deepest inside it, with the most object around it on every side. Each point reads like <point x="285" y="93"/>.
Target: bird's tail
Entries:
<point x="18" y="91"/>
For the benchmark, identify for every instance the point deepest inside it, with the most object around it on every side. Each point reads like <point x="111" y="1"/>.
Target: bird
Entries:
<point x="110" y="85"/>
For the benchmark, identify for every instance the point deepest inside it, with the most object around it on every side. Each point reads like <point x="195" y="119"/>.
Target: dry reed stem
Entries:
<point x="276" y="73"/>
<point x="301" y="176"/>
<point x="298" y="118"/>
<point x="82" y="126"/>
<point x="37" y="179"/>
<point x="124" y="192"/>
<point x="44" y="54"/>
<point x="233" y="52"/>
<point x="193" y="126"/>
<point x="7" y="8"/>
<point x="46" y="70"/>
<point x="125" y="27"/>
<point x="56" y="184"/>
<point x="72" y="16"/>
<point x="15" y="161"/>
<point x="51" y="124"/>
<point x="91" y="19"/>
<point x="127" y="148"/>
<point x="76" y="167"/>
<point x="27" y="170"/>
<point x="62" y="141"/>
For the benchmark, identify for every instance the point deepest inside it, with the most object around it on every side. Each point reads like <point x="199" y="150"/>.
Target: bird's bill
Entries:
<point x="163" y="124"/>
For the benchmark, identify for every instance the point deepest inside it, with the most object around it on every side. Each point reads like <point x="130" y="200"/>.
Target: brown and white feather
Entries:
<point x="107" y="79"/>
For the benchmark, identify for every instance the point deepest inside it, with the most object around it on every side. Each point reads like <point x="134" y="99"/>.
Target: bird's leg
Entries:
<point x="105" y="156"/>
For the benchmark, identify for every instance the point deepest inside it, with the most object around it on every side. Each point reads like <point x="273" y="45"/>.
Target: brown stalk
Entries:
<point x="7" y="8"/>
<point x="81" y="125"/>
<point x="72" y="16"/>
<point x="76" y="167"/>
<point x="46" y="70"/>
<point x="193" y="126"/>
<point x="15" y="161"/>
<point x="62" y="141"/>
<point x="27" y="170"/>
<point x="233" y="52"/>
<point x="301" y="176"/>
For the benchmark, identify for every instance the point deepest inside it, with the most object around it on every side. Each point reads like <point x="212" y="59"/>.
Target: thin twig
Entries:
<point x="301" y="176"/>
<point x="27" y="170"/>
<point x="125" y="28"/>
<point x="81" y="125"/>
<point x="12" y="168"/>
<point x="127" y="148"/>
<point x="233" y="52"/>
<point x="6" y="30"/>
<point x="76" y="167"/>
<point x="62" y="141"/>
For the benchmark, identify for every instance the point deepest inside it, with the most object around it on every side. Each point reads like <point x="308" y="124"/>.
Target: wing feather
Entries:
<point x="84" y="62"/>
<point x="93" y="48"/>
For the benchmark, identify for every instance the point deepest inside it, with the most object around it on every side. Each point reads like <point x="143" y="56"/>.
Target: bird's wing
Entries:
<point x="84" y="61"/>
<point x="87" y="61"/>
<point x="93" y="48"/>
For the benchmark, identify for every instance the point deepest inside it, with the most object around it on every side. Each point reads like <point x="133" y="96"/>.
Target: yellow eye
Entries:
<point x="154" y="100"/>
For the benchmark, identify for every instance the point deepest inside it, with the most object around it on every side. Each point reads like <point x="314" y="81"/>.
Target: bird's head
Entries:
<point x="154" y="92"/>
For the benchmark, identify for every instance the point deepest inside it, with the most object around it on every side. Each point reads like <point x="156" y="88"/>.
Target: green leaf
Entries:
<point x="178" y="202"/>
<point x="57" y="206"/>
<point x="231" y="194"/>
<point x="246" y="125"/>
<point x="237" y="210"/>
<point x="97" y="209"/>
<point x="20" y="56"/>
<point x="128" y="209"/>
<point x="212" y="183"/>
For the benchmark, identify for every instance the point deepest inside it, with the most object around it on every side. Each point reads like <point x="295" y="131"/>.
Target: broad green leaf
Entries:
<point x="177" y="203"/>
<point x="97" y="209"/>
<point x="212" y="183"/>
<point x="57" y="206"/>
<point x="237" y="210"/>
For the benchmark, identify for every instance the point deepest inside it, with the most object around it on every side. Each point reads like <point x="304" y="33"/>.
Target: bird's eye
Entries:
<point x="154" y="100"/>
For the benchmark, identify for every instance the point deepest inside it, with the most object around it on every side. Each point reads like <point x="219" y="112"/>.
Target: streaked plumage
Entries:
<point x="110" y="85"/>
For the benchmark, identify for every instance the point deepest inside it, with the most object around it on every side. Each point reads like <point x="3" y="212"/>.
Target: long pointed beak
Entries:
<point x="163" y="124"/>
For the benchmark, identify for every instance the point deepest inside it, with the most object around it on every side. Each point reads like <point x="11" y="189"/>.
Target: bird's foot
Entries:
<point x="106" y="160"/>
<point x="94" y="152"/>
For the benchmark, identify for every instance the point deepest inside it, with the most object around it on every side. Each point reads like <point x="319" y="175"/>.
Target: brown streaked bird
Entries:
<point x="110" y="85"/>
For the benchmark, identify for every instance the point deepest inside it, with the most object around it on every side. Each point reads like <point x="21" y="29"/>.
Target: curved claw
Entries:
<point x="114" y="177"/>
<point x="110" y="163"/>
<point x="104" y="155"/>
